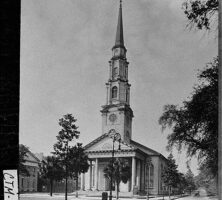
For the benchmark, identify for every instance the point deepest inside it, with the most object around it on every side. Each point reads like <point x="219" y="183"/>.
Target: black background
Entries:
<point x="9" y="85"/>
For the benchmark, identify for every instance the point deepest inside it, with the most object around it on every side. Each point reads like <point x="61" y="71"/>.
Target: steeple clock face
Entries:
<point x="112" y="118"/>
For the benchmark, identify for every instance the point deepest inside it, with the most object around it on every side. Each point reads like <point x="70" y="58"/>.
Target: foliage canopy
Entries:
<point x="195" y="124"/>
<point x="23" y="150"/>
<point x="51" y="169"/>
<point x="72" y="158"/>
<point x="170" y="173"/>
<point x="201" y="13"/>
<point x="119" y="170"/>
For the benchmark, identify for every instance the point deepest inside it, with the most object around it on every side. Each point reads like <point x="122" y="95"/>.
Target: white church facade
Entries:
<point x="117" y="116"/>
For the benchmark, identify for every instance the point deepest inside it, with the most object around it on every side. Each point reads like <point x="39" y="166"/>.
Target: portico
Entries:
<point x="98" y="161"/>
<point x="99" y="153"/>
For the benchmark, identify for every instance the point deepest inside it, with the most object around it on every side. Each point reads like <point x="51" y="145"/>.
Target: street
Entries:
<point x="44" y="196"/>
<point x="198" y="198"/>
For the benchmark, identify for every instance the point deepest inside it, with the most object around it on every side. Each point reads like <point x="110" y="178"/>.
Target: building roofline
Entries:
<point x="33" y="155"/>
<point x="147" y="148"/>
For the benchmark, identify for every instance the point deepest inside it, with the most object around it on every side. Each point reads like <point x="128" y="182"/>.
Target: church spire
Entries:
<point x="119" y="32"/>
<point x="117" y="114"/>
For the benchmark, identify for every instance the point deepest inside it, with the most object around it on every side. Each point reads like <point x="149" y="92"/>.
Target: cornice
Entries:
<point x="126" y="108"/>
<point x="118" y="58"/>
<point x="109" y="151"/>
<point x="117" y="80"/>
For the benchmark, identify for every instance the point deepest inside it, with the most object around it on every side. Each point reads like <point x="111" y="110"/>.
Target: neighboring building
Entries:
<point x="58" y="186"/>
<point x="117" y="117"/>
<point x="29" y="183"/>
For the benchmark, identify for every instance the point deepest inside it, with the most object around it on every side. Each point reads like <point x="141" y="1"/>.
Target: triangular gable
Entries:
<point x="104" y="142"/>
<point x="30" y="157"/>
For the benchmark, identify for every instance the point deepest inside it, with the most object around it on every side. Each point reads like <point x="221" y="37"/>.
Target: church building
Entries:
<point x="117" y="117"/>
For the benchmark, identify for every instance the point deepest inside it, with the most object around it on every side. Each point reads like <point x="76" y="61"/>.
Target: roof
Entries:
<point x="27" y="157"/>
<point x="146" y="149"/>
<point x="143" y="148"/>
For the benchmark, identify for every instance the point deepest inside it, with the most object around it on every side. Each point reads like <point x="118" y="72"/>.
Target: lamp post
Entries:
<point x="116" y="137"/>
<point x="148" y="162"/>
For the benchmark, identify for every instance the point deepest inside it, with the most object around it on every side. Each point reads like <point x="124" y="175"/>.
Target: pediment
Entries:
<point x="106" y="143"/>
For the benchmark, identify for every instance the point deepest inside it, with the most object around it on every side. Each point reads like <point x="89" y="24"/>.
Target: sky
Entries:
<point x="65" y="49"/>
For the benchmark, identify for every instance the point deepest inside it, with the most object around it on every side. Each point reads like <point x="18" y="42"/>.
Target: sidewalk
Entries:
<point x="71" y="196"/>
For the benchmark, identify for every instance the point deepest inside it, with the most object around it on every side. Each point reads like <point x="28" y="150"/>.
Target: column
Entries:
<point x="96" y="174"/>
<point x="82" y="181"/>
<point x="110" y="69"/>
<point x="142" y="175"/>
<point x="90" y="175"/>
<point x="133" y="172"/>
<point x="107" y="93"/>
<point x="128" y="95"/>
<point x="138" y="171"/>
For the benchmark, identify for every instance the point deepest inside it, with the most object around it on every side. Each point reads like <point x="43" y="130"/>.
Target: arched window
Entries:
<point x="114" y="92"/>
<point x="161" y="179"/>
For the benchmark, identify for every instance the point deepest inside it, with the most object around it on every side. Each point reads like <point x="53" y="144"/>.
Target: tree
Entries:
<point x="190" y="183"/>
<point x="170" y="174"/>
<point x="200" y="13"/>
<point x="206" y="180"/>
<point x="23" y="150"/>
<point x="194" y="125"/>
<point x="51" y="169"/>
<point x="62" y="147"/>
<point x="182" y="183"/>
<point x="78" y="162"/>
<point x="119" y="170"/>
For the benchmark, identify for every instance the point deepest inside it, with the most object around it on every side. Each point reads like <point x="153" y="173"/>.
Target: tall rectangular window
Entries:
<point x="22" y="182"/>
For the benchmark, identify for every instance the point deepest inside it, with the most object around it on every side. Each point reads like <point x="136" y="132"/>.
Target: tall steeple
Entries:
<point x="119" y="32"/>
<point x="116" y="113"/>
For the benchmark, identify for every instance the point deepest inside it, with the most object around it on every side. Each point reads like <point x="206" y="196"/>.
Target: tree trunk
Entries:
<point x="77" y="186"/>
<point x="169" y="192"/>
<point x="51" y="186"/>
<point x="117" y="191"/>
<point x="66" y="189"/>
